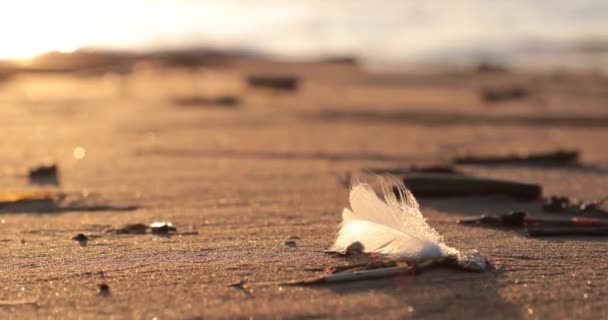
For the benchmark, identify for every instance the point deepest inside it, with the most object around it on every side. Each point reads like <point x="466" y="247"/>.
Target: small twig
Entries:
<point x="241" y="285"/>
<point x="407" y="270"/>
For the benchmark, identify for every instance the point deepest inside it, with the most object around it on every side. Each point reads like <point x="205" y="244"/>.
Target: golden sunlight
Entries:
<point x="28" y="28"/>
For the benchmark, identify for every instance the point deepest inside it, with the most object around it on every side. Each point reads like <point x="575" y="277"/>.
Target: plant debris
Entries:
<point x="198" y="101"/>
<point x="543" y="226"/>
<point x="493" y="95"/>
<point x="340" y="60"/>
<point x="395" y="268"/>
<point x="453" y="185"/>
<point x="241" y="285"/>
<point x="559" y="157"/>
<point x="287" y="83"/>
<point x="135" y="228"/>
<point x="562" y="204"/>
<point x="513" y="218"/>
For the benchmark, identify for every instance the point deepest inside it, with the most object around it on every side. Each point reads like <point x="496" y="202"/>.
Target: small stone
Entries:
<point x="80" y="237"/>
<point x="355" y="247"/>
<point x="162" y="227"/>
<point x="290" y="243"/>
<point x="43" y="171"/>
<point x="103" y="289"/>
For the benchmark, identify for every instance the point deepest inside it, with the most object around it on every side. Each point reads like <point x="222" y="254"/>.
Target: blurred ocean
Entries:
<point x="540" y="32"/>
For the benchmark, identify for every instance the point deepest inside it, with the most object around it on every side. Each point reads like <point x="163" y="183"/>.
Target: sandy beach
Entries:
<point x="239" y="180"/>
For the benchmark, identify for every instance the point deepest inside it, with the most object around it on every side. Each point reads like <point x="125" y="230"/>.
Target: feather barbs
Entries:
<point x="392" y="226"/>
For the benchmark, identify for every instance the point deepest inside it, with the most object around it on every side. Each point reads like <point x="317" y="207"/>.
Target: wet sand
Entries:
<point x="249" y="177"/>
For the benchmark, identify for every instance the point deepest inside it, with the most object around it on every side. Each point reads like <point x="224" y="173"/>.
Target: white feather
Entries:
<point x="393" y="227"/>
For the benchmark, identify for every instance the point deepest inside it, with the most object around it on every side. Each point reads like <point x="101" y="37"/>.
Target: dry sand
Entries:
<point x="250" y="177"/>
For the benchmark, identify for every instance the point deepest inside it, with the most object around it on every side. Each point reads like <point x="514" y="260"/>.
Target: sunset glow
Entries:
<point x="28" y="28"/>
<point x="429" y="29"/>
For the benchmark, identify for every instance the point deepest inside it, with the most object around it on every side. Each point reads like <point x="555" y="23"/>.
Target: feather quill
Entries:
<point x="394" y="226"/>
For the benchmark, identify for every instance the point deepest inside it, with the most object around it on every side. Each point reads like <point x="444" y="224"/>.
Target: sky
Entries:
<point x="390" y="29"/>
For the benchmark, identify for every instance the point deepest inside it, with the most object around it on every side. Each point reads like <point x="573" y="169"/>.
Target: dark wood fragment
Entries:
<point x="288" y="83"/>
<point x="493" y="95"/>
<point x="451" y="185"/>
<point x="541" y="158"/>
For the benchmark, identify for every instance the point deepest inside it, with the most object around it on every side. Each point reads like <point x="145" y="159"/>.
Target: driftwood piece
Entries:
<point x="227" y="101"/>
<point x="543" y="158"/>
<point x="287" y="83"/>
<point x="403" y="270"/>
<point x="451" y="185"/>
<point x="468" y="261"/>
<point x="521" y="219"/>
<point x="43" y="171"/>
<point x="562" y="204"/>
<point x="493" y="95"/>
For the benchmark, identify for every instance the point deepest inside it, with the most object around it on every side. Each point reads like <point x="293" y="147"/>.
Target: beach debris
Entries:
<point x="241" y="285"/>
<point x="134" y="228"/>
<point x="54" y="201"/>
<point x="543" y="226"/>
<point x="238" y="284"/>
<point x="228" y="101"/>
<point x="493" y="95"/>
<point x="290" y="243"/>
<point x="80" y="237"/>
<point x="393" y="227"/>
<point x="103" y="289"/>
<point x="439" y="168"/>
<point x="471" y="261"/>
<point x="563" y="204"/>
<point x="362" y="266"/>
<point x="162" y="227"/>
<point x="27" y="200"/>
<point x="453" y="185"/>
<point x="558" y="157"/>
<point x="405" y="269"/>
<point x="347" y="60"/>
<point x="513" y="218"/>
<point x="43" y="171"/>
<point x="287" y="83"/>
<point x="158" y="227"/>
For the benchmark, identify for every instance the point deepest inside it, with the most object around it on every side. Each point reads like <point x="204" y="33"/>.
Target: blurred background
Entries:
<point x="542" y="33"/>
